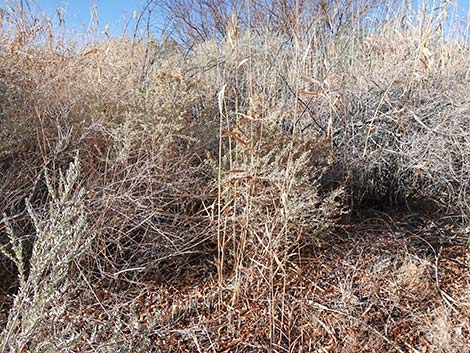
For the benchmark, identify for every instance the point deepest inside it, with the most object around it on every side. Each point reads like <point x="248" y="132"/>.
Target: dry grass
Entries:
<point x="225" y="190"/>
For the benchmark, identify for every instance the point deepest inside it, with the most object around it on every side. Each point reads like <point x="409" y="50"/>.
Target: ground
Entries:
<point x="385" y="283"/>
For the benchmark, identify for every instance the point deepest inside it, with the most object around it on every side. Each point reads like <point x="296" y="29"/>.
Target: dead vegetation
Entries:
<point x="290" y="187"/>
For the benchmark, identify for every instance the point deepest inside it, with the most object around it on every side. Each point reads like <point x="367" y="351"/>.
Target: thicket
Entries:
<point x="246" y="137"/>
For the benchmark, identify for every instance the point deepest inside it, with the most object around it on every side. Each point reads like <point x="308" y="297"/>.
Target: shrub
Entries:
<point x="44" y="278"/>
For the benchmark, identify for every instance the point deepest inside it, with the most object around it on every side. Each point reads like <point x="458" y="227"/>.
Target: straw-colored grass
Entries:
<point x="293" y="187"/>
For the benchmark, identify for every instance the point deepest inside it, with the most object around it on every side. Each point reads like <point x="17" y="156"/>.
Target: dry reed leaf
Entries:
<point x="220" y="99"/>
<point x="229" y="134"/>
<point x="244" y="120"/>
<point x="310" y="79"/>
<point x="89" y="52"/>
<point x="310" y="94"/>
<point x="234" y="135"/>
<point x="236" y="171"/>
<point x="244" y="61"/>
<point x="240" y="178"/>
